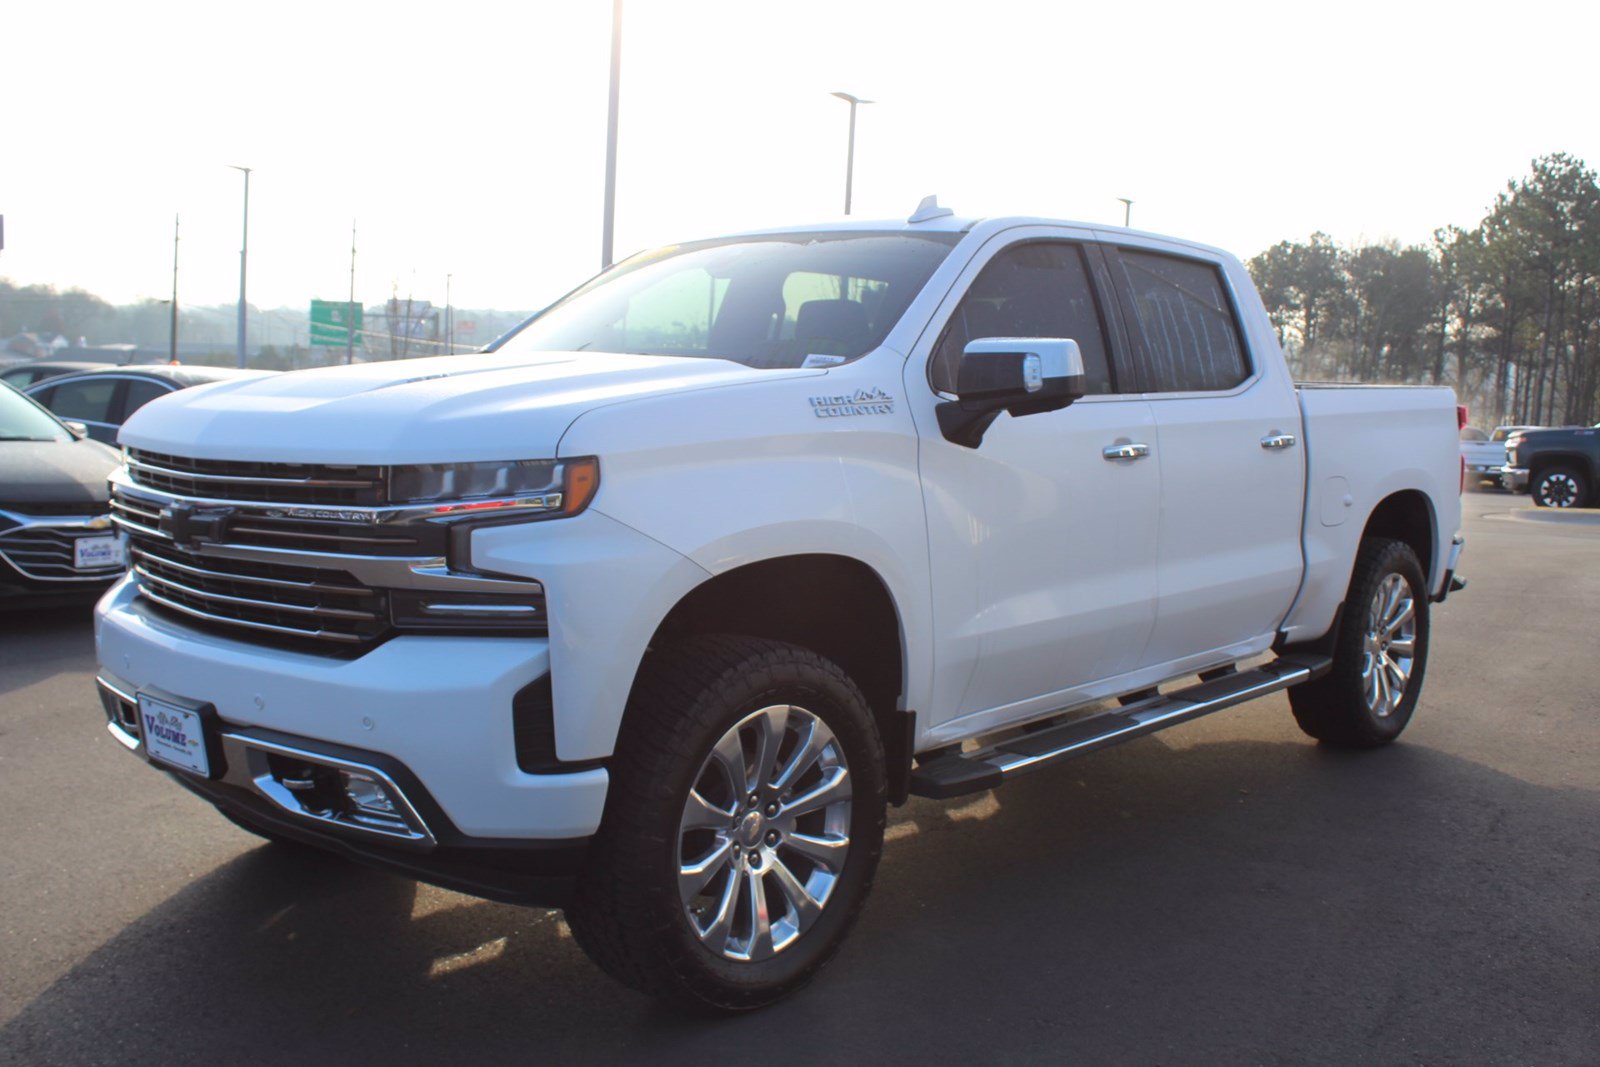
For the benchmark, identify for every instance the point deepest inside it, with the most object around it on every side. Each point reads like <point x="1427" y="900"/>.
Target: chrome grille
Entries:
<point x="290" y="602"/>
<point x="45" y="553"/>
<point x="283" y="483"/>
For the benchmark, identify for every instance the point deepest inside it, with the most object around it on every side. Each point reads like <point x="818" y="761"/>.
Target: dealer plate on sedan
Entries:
<point x="96" y="553"/>
<point x="173" y="735"/>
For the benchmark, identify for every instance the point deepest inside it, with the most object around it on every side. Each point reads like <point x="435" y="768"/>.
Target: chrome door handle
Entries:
<point x="1278" y="440"/>
<point x="1133" y="451"/>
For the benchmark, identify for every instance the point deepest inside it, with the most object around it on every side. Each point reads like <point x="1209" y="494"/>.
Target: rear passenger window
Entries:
<point x="1028" y="290"/>
<point x="88" y="399"/>
<point x="1185" y="336"/>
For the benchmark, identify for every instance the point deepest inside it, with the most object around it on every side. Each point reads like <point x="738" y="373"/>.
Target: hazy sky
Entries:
<point x="468" y="138"/>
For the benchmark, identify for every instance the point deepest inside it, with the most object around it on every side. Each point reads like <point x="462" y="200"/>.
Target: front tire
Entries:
<point x="742" y="829"/>
<point x="1367" y="697"/>
<point x="1559" y="487"/>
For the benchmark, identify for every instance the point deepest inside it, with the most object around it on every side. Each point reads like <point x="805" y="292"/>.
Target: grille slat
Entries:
<point x="281" y="483"/>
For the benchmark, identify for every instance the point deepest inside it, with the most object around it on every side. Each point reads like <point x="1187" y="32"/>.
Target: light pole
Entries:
<point x="173" y="331"/>
<point x="611" y="135"/>
<point x="1127" y="210"/>
<point x="244" y="255"/>
<point x="850" y="153"/>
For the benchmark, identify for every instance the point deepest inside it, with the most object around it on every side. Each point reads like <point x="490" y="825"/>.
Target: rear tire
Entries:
<point x="1381" y="653"/>
<point x="742" y="828"/>
<point x="1560" y="486"/>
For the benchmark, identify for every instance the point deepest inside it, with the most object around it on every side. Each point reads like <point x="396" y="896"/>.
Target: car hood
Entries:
<point x="446" y="409"/>
<point x="36" y="475"/>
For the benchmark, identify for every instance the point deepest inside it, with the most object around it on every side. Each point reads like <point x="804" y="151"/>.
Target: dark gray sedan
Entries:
<point x="56" y="539"/>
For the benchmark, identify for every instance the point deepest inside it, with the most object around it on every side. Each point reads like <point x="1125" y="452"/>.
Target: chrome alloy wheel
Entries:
<point x="1390" y="645"/>
<point x="1558" y="490"/>
<point x="764" y="833"/>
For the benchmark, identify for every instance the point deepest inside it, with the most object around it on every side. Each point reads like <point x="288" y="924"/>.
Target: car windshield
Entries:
<point x="23" y="420"/>
<point x="782" y="300"/>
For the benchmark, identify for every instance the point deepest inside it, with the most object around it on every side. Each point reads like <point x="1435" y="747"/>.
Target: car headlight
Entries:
<point x="546" y="488"/>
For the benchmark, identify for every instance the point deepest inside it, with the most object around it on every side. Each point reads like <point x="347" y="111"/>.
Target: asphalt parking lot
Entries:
<point x="1225" y="892"/>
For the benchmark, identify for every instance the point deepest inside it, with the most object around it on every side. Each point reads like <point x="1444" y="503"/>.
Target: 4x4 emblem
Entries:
<point x="872" y="401"/>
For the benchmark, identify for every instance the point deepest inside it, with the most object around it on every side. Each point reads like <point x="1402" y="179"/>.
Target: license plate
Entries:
<point x="96" y="553"/>
<point x="173" y="735"/>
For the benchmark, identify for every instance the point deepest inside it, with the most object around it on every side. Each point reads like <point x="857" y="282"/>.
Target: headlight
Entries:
<point x="546" y="486"/>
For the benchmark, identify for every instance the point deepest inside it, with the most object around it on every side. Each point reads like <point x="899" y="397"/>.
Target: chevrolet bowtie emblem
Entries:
<point x="187" y="524"/>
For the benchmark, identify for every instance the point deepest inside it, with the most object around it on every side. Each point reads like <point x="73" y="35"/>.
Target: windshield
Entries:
<point x="785" y="300"/>
<point x="23" y="420"/>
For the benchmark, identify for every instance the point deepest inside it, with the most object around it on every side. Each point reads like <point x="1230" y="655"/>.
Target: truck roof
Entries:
<point x="930" y="217"/>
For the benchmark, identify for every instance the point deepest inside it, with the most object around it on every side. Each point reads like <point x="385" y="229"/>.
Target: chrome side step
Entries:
<point x="957" y="774"/>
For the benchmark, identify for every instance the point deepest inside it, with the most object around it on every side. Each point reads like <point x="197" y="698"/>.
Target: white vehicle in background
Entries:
<point x="649" y="612"/>
<point x="1484" y="453"/>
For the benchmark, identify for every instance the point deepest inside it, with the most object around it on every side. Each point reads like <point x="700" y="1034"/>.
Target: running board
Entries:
<point x="956" y="775"/>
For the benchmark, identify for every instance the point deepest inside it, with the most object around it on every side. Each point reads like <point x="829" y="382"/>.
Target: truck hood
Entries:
<point x="447" y="409"/>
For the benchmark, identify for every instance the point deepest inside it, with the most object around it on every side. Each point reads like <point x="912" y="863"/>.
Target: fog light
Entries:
<point x="367" y="794"/>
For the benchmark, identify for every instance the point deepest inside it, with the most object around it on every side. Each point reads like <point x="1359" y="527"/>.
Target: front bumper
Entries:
<point x="438" y="706"/>
<point x="421" y="842"/>
<point x="1514" y="479"/>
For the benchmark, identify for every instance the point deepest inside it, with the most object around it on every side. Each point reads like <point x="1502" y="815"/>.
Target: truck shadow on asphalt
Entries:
<point x="1233" y="901"/>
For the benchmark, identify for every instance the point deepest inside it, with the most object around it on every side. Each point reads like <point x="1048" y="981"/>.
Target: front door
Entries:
<point x="1042" y="549"/>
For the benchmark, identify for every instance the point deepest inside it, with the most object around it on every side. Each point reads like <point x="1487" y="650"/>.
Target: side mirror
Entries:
<point x="1017" y="375"/>
<point x="79" y="430"/>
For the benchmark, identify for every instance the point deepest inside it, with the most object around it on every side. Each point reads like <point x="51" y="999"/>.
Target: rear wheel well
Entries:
<point x="833" y="605"/>
<point x="1406" y="516"/>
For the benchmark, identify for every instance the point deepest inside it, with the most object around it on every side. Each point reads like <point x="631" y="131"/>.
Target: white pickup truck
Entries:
<point x="652" y="609"/>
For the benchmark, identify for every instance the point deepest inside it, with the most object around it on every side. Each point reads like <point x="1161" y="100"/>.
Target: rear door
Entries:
<point x="1231" y="458"/>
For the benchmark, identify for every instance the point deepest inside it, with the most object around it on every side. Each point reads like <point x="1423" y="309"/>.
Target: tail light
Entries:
<point x="1461" y="417"/>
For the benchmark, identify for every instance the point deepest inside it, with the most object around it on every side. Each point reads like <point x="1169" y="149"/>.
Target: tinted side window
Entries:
<point x="1028" y="290"/>
<point x="138" y="395"/>
<point x="1185" y="336"/>
<point x="88" y="399"/>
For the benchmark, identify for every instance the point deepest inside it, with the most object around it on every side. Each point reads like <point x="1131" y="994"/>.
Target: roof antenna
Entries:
<point x="929" y="209"/>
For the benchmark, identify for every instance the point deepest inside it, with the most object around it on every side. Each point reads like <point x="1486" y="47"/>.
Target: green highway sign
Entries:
<point x="330" y="319"/>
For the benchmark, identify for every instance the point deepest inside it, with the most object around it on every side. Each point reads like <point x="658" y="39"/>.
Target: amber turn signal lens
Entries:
<point x="579" y="486"/>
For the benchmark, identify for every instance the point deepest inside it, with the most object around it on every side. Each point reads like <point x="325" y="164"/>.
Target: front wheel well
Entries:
<point x="835" y="606"/>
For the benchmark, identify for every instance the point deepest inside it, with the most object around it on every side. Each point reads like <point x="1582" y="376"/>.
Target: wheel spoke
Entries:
<point x="825" y="851"/>
<point x="716" y="935"/>
<point x="1404" y="614"/>
<point x="1381" y="700"/>
<point x="813" y="741"/>
<point x="700" y="814"/>
<point x="1403" y="647"/>
<point x="1397" y="679"/>
<point x="804" y="906"/>
<point x="760" y="946"/>
<point x="694" y="877"/>
<point x="730" y="754"/>
<point x="770" y="730"/>
<point x="835" y="786"/>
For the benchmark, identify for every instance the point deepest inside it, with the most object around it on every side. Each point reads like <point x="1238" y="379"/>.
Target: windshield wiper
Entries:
<point x="27" y="438"/>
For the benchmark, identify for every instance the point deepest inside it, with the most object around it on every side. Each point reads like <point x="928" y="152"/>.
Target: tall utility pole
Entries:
<point x="350" y="308"/>
<point x="850" y="153"/>
<point x="611" y="135"/>
<point x="244" y="256"/>
<point x="449" y="334"/>
<point x="173" y="332"/>
<point x="1127" y="210"/>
